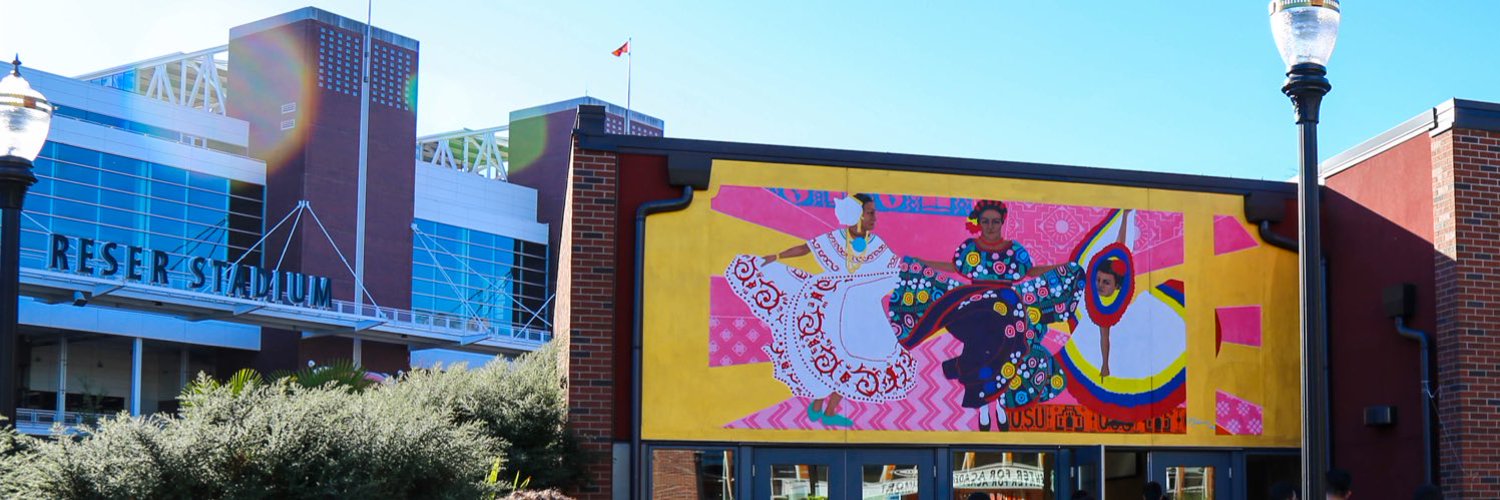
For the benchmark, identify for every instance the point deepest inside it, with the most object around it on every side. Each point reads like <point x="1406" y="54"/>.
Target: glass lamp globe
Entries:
<point x="25" y="116"/>
<point x="1305" y="30"/>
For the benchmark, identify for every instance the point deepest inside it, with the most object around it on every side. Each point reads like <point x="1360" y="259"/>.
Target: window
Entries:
<point x="709" y="474"/>
<point x="1004" y="474"/>
<point x="89" y="194"/>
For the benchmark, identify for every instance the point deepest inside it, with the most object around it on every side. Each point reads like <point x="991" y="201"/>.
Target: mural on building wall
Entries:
<point x="1037" y="317"/>
<point x="816" y="304"/>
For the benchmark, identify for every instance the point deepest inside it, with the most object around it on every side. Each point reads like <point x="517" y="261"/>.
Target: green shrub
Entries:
<point x="521" y="403"/>
<point x="320" y="434"/>
<point x="267" y="441"/>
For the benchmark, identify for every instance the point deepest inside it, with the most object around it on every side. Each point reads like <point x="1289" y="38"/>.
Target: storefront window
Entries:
<point x="1004" y="475"/>
<point x="702" y="474"/>
<point x="1190" y="483"/>
<point x="890" y="482"/>
<point x="799" y="482"/>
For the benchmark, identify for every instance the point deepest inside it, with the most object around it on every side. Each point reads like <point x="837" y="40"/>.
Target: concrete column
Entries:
<point x="182" y="369"/>
<point x="359" y="351"/>
<point x="62" y="379"/>
<point x="136" y="349"/>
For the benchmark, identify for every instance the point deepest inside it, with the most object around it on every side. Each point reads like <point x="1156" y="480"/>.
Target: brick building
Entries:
<point x="1424" y="194"/>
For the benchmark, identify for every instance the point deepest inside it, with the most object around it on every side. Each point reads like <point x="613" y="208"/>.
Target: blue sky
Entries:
<point x="1162" y="86"/>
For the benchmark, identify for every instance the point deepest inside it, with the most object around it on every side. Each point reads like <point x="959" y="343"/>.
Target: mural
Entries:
<point x="982" y="337"/>
<point x="814" y="304"/>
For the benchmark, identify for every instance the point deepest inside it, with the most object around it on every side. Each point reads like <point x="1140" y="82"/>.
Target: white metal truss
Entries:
<point x="485" y="152"/>
<point x="499" y="288"/>
<point x="194" y="79"/>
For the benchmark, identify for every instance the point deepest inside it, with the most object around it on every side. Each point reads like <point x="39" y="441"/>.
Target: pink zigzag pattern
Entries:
<point x="931" y="405"/>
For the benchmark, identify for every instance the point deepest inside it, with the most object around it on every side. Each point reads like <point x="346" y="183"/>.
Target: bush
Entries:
<point x="520" y="403"/>
<point x="268" y="441"/>
<point x="430" y="434"/>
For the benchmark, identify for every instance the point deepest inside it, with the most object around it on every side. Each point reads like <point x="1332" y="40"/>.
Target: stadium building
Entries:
<point x="200" y="212"/>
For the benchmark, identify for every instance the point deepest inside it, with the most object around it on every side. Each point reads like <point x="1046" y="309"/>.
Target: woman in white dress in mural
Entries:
<point x="830" y="337"/>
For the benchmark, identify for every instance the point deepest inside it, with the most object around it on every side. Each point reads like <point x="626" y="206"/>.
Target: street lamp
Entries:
<point x="24" y="118"/>
<point x="1305" y="31"/>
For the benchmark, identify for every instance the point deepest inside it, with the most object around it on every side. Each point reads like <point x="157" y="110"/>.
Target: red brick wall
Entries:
<point x="585" y="310"/>
<point x="1466" y="193"/>
<point x="674" y="474"/>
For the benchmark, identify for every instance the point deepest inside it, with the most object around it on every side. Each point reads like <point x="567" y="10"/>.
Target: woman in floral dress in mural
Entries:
<point x="1001" y="317"/>
<point x="830" y="340"/>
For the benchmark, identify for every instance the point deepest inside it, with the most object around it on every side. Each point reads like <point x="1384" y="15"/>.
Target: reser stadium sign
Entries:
<point x="144" y="265"/>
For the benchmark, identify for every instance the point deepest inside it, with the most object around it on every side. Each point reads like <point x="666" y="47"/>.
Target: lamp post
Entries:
<point x="1305" y="31"/>
<point x="24" y="118"/>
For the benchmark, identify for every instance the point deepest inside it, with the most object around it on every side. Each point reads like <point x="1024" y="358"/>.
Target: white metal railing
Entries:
<point x="443" y="323"/>
<point x="40" y="421"/>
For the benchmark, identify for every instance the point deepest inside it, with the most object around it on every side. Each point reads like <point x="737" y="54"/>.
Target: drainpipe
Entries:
<point x="1423" y="339"/>
<point x="1276" y="239"/>
<point x="1400" y="300"/>
<point x="637" y="453"/>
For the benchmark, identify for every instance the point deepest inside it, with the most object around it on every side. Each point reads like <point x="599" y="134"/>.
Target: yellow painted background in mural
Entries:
<point x="685" y="399"/>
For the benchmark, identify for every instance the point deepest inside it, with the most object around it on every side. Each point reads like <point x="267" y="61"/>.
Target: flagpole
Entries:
<point x="363" y="182"/>
<point x="629" y="61"/>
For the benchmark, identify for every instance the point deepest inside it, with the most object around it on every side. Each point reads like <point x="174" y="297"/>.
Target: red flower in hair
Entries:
<point x="979" y="207"/>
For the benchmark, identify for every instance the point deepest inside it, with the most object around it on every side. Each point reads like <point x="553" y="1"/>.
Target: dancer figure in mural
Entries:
<point x="830" y="340"/>
<point x="1001" y="317"/>
<point x="1125" y="356"/>
<point x="1111" y="288"/>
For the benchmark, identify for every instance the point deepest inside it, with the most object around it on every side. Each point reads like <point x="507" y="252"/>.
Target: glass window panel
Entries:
<point x="78" y="173"/>
<point x="1190" y="483"/>
<point x="121" y="219"/>
<point x="483" y="239"/>
<point x="120" y="236"/>
<point x="217" y="201"/>
<point x="165" y="243"/>
<point x="43" y="166"/>
<point x="204" y="181"/>
<point x="43" y="186"/>
<point x="75" y="210"/>
<point x="168" y="191"/>
<point x="73" y="228"/>
<point x="37" y="205"/>
<point x="124" y="165"/>
<point x="168" y="209"/>
<point x="168" y="227"/>
<point x="206" y="217"/>
<point x="76" y="192"/>
<point x="421" y="286"/>
<point x="799" y="482"/>
<point x="421" y="302"/>
<point x="477" y="252"/>
<point x="125" y="201"/>
<point x="450" y="232"/>
<point x="890" y="481"/>
<point x="168" y="174"/>
<point x="1003" y="474"/>
<point x="76" y="154"/>
<point x="121" y="182"/>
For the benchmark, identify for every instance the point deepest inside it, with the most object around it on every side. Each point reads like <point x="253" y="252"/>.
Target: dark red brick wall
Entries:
<point x="584" y="318"/>
<point x="1374" y="205"/>
<point x="317" y="160"/>
<point x="1466" y="191"/>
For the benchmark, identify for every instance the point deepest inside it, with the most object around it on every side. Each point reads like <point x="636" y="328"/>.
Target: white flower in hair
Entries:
<point x="848" y="210"/>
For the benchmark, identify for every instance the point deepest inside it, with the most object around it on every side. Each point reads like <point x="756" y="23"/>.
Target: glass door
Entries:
<point x="786" y="474"/>
<point x="1194" y="475"/>
<point x="892" y="474"/>
<point x="818" y="474"/>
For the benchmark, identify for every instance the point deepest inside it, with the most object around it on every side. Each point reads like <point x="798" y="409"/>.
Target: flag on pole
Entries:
<point x="624" y="49"/>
